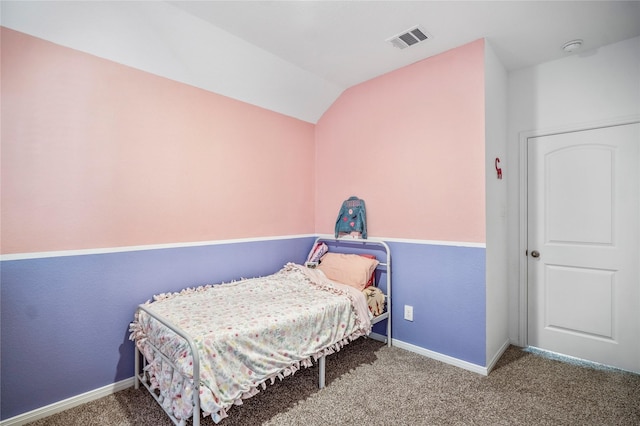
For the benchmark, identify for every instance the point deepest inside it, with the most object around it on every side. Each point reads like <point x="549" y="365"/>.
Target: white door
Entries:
<point x="583" y="244"/>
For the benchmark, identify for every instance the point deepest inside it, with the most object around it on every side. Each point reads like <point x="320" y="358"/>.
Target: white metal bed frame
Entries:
<point x="141" y="362"/>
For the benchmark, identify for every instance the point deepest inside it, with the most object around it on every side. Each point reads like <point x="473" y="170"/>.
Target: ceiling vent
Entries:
<point x="409" y="37"/>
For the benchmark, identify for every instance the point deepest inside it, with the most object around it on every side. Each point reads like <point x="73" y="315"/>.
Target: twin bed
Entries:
<point x="204" y="349"/>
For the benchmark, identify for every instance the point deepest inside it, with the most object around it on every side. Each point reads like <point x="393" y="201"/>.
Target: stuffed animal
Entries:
<point x="375" y="300"/>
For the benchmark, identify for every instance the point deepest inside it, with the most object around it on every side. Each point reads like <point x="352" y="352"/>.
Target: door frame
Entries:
<point x="523" y="284"/>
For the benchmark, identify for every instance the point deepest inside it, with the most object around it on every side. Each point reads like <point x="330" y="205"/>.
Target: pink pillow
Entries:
<point x="317" y="252"/>
<point x="350" y="269"/>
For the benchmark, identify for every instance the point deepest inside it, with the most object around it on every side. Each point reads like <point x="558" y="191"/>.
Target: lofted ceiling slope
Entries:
<point x="296" y="57"/>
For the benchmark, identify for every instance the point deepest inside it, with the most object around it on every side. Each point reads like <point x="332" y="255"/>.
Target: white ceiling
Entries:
<point x="344" y="41"/>
<point x="296" y="57"/>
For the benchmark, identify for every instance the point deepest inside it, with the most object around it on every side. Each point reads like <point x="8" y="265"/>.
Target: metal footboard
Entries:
<point x="139" y="372"/>
<point x="140" y="375"/>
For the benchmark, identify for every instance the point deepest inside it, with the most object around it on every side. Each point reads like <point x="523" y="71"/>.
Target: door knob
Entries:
<point x="535" y="253"/>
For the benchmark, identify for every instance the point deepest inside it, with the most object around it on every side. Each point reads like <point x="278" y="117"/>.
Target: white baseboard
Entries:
<point x="440" y="357"/>
<point x="497" y="356"/>
<point x="65" y="404"/>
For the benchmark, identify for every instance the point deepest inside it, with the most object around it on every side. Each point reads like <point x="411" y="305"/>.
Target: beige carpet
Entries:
<point x="371" y="384"/>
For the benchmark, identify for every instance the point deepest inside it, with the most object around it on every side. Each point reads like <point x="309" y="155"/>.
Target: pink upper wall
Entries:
<point x="96" y="154"/>
<point x="411" y="144"/>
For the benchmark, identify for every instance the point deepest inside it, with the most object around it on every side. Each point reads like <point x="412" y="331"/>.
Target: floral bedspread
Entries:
<point x="248" y="333"/>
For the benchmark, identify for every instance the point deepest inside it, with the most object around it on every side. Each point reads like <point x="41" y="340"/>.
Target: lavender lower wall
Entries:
<point x="445" y="284"/>
<point x="446" y="287"/>
<point x="64" y="320"/>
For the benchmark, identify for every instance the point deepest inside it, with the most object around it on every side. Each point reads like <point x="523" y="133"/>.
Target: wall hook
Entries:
<point x="498" y="169"/>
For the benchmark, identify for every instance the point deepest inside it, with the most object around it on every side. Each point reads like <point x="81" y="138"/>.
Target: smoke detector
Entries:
<point x="410" y="37"/>
<point x="572" y="46"/>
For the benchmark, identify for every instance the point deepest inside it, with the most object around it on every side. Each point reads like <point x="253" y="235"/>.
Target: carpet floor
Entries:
<point x="371" y="384"/>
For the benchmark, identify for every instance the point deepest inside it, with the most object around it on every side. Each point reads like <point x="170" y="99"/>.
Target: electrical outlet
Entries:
<point x="408" y="312"/>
